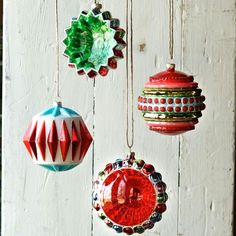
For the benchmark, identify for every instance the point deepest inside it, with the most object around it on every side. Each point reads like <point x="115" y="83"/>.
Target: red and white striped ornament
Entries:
<point x="57" y="138"/>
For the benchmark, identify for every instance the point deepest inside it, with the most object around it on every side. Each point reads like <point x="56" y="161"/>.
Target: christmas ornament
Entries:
<point x="171" y="102"/>
<point x="129" y="196"/>
<point x="94" y="42"/>
<point x="57" y="138"/>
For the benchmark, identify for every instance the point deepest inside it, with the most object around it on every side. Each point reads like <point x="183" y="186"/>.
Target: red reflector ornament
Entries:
<point x="130" y="196"/>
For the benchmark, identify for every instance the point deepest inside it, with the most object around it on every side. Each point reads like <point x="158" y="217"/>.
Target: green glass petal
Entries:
<point x="66" y="41"/>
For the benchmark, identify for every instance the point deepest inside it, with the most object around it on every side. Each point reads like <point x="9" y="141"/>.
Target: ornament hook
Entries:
<point x="57" y="104"/>
<point x="97" y="6"/>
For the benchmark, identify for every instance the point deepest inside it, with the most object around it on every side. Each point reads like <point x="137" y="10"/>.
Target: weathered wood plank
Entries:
<point x="207" y="154"/>
<point x="36" y="202"/>
<point x="109" y="115"/>
<point x="162" y="151"/>
<point x="150" y="56"/>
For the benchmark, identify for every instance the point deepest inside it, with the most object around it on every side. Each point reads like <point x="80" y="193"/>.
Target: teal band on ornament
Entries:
<point x="59" y="168"/>
<point x="56" y="111"/>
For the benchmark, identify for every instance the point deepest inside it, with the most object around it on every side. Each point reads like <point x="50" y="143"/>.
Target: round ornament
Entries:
<point x="129" y="196"/>
<point x="94" y="42"/>
<point x="171" y="102"/>
<point x="57" y="138"/>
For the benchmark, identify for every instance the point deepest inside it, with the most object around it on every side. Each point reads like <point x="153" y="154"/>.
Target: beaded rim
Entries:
<point x="118" y="35"/>
<point x="169" y="104"/>
<point x="160" y="187"/>
<point x="166" y="112"/>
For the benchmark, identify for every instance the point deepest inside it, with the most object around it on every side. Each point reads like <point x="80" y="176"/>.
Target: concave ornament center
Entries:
<point x="128" y="197"/>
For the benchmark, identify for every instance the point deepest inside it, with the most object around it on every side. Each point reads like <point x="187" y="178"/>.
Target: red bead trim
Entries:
<point x="186" y="104"/>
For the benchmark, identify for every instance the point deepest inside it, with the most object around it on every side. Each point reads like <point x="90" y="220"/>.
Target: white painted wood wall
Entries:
<point x="41" y="203"/>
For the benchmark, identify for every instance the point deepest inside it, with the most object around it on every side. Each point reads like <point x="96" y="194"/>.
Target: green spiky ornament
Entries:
<point x="94" y="42"/>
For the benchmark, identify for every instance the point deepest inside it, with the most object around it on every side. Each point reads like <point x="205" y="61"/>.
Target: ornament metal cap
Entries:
<point x="97" y="6"/>
<point x="57" y="104"/>
<point x="170" y="66"/>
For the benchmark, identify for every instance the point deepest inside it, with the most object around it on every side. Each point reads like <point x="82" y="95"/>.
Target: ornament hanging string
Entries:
<point x="57" y="53"/>
<point x="171" y="29"/>
<point x="130" y="75"/>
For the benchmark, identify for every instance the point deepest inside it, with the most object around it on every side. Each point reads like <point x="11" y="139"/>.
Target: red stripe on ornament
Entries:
<point x="53" y="140"/>
<point x="26" y="139"/>
<point x="64" y="140"/>
<point x="41" y="140"/>
<point x="86" y="139"/>
<point x="75" y="141"/>
<point x="31" y="141"/>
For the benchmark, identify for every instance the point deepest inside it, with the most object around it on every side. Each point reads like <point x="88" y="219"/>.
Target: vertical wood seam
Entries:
<point x="93" y="150"/>
<point x="234" y="151"/>
<point x="178" y="196"/>
<point x="5" y="76"/>
<point x="179" y="138"/>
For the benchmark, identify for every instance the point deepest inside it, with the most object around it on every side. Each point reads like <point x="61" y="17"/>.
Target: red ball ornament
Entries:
<point x="129" y="195"/>
<point x="171" y="102"/>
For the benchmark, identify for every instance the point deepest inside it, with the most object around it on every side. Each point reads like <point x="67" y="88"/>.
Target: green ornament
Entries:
<point x="94" y="42"/>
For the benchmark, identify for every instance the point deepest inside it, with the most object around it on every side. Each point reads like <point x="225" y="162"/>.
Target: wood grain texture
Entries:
<point x="37" y="202"/>
<point x="207" y="155"/>
<point x="198" y="167"/>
